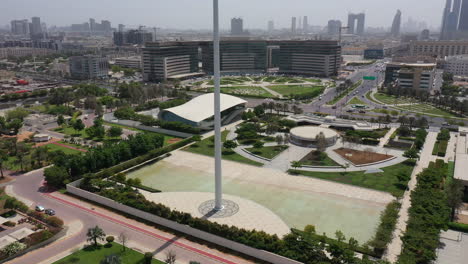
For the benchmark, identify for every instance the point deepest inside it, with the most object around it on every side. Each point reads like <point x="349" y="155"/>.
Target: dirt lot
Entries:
<point x="358" y="157"/>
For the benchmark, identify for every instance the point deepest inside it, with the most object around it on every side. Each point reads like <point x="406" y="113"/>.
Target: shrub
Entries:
<point x="39" y="237"/>
<point x="9" y="223"/>
<point x="370" y="141"/>
<point x="442" y="148"/>
<point x="54" y="221"/>
<point x="458" y="227"/>
<point x="148" y="258"/>
<point x="110" y="239"/>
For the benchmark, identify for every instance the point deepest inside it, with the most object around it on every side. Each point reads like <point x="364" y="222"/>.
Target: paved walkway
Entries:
<point x="385" y="139"/>
<point x="282" y="162"/>
<point x="395" y="247"/>
<point x="271" y="91"/>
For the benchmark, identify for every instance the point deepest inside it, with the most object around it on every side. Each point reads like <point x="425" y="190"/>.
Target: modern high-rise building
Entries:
<point x="92" y="25"/>
<point x="463" y="21"/>
<point x="395" y="31"/>
<point x="106" y="26"/>
<point x="121" y="28"/>
<point x="293" y="25"/>
<point x="411" y="75"/>
<point x="132" y="37"/>
<point x="305" y="24"/>
<point x="88" y="67"/>
<point x="237" y="56"/>
<point x="359" y="28"/>
<point x="334" y="27"/>
<point x="20" y="27"/>
<point x="425" y="34"/>
<point x="237" y="26"/>
<point x="319" y="58"/>
<point x="165" y="60"/>
<point x="454" y="19"/>
<point x="271" y="26"/>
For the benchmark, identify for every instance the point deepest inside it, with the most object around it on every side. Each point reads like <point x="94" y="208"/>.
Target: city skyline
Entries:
<point x="378" y="13"/>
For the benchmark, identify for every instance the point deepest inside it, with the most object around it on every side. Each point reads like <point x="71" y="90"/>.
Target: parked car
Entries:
<point x="362" y="111"/>
<point x="349" y="111"/>
<point x="50" y="212"/>
<point x="40" y="208"/>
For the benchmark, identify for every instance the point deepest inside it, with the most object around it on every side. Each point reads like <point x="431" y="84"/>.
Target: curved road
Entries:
<point x="142" y="237"/>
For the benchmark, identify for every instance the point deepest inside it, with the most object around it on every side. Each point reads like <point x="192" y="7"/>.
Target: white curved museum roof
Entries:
<point x="311" y="132"/>
<point x="202" y="107"/>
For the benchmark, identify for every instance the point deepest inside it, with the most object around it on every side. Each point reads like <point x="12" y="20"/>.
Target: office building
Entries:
<point x="121" y="28"/>
<point x="133" y="62"/>
<point x="456" y="65"/>
<point x="373" y="54"/>
<point x="88" y="67"/>
<point x="358" y="28"/>
<point x="237" y="26"/>
<point x="319" y="58"/>
<point x="293" y="25"/>
<point x="411" y="75"/>
<point x="271" y="26"/>
<point x="334" y="27"/>
<point x="425" y="35"/>
<point x="35" y="26"/>
<point x="237" y="56"/>
<point x="20" y="27"/>
<point x="305" y="24"/>
<point x="85" y="27"/>
<point x="92" y="25"/>
<point x="132" y="37"/>
<point x="440" y="48"/>
<point x="165" y="60"/>
<point x="395" y="31"/>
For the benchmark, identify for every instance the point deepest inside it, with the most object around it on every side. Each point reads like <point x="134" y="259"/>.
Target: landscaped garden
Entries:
<point x="318" y="158"/>
<point x="95" y="255"/>
<point x="356" y="101"/>
<point x="269" y="152"/>
<point x="298" y="91"/>
<point x="425" y="109"/>
<point x="389" y="99"/>
<point x="359" y="157"/>
<point x="440" y="147"/>
<point x="252" y="91"/>
<point x="393" y="179"/>
<point x="206" y="147"/>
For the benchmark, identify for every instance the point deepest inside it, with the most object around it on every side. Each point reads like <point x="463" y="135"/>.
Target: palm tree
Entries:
<point x="94" y="234"/>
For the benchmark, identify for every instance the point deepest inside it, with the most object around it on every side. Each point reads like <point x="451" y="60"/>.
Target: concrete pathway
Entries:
<point x="282" y="162"/>
<point x="385" y="139"/>
<point x="395" y="247"/>
<point x="271" y="91"/>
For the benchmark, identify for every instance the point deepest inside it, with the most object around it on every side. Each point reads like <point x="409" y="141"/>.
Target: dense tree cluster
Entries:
<point x="428" y="215"/>
<point x="71" y="167"/>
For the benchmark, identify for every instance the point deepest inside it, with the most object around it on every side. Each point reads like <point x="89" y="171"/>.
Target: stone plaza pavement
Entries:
<point x="452" y="249"/>
<point x="250" y="216"/>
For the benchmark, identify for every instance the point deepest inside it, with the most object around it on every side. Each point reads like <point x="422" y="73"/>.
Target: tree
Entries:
<point x="321" y="142"/>
<point x="170" y="257"/>
<point x="60" y="120"/>
<point x="123" y="239"/>
<point x="78" y="125"/>
<point x="258" y="144"/>
<point x="148" y="258"/>
<point x="22" y="150"/>
<point x="114" y="132"/>
<point x="296" y="164"/>
<point x="230" y="144"/>
<point x="15" y="125"/>
<point x="454" y="197"/>
<point x="411" y="153"/>
<point x="94" y="234"/>
<point x="3" y="158"/>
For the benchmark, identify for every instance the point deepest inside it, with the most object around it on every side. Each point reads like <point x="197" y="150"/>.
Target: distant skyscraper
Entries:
<point x="121" y="27"/>
<point x="271" y="26"/>
<point x="237" y="26"/>
<point x="106" y="26"/>
<point x="36" y="26"/>
<point x="396" y="24"/>
<point x="463" y="22"/>
<point x="352" y="28"/>
<point x="293" y="24"/>
<point x="452" y="19"/>
<point x="424" y="34"/>
<point x="299" y="21"/>
<point x="92" y="24"/>
<point x="305" y="24"/>
<point x="20" y="27"/>
<point x="334" y="27"/>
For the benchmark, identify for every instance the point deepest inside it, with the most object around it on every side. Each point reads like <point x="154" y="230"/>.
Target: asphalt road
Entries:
<point x="31" y="187"/>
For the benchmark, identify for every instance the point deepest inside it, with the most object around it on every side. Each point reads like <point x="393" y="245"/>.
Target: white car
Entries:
<point x="40" y="208"/>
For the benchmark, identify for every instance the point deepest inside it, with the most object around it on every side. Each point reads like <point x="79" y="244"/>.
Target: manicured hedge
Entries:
<point x="442" y="148"/>
<point x="370" y="141"/>
<point x="458" y="227"/>
<point x="384" y="234"/>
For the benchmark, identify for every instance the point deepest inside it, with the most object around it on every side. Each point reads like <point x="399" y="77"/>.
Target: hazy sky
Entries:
<point x="196" y="14"/>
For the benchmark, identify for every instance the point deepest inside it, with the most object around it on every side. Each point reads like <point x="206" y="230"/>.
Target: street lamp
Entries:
<point x="217" y="110"/>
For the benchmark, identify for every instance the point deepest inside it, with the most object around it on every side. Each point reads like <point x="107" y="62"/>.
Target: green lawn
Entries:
<point x="206" y="147"/>
<point x="53" y="147"/>
<point x="356" y="101"/>
<point x="166" y="137"/>
<point x="91" y="255"/>
<point x="296" y="89"/>
<point x="388" y="99"/>
<point x="269" y="152"/>
<point x="426" y="109"/>
<point x="318" y="159"/>
<point x="387" y="181"/>
<point x="245" y="91"/>
<point x="369" y="97"/>
<point x="67" y="130"/>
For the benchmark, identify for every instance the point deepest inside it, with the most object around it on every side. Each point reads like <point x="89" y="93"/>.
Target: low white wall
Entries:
<point x="256" y="253"/>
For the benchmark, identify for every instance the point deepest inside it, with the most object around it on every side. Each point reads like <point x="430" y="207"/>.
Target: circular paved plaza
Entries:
<point x="306" y="136"/>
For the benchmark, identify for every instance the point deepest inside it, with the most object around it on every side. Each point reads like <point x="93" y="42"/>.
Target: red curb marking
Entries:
<point x="182" y="245"/>
<point x="69" y="147"/>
